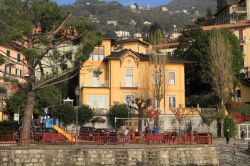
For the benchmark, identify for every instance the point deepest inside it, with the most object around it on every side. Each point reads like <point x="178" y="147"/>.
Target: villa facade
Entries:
<point x="117" y="75"/>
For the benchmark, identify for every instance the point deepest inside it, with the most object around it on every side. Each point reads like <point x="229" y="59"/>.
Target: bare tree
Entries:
<point x="158" y="61"/>
<point x="180" y="115"/>
<point x="221" y="70"/>
<point x="142" y="98"/>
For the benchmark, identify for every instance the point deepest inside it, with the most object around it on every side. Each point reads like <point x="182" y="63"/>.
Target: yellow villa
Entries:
<point x="116" y="76"/>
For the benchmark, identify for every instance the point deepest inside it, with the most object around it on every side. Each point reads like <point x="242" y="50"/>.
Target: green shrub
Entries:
<point x="231" y="125"/>
<point x="66" y="114"/>
<point x="85" y="114"/>
<point x="8" y="126"/>
<point x="120" y="111"/>
<point x="2" y="90"/>
<point x="245" y="109"/>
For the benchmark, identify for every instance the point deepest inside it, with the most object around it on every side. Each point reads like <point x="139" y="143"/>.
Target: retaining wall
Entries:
<point x="118" y="155"/>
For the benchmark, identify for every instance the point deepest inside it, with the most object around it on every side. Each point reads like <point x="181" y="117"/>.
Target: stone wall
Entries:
<point x="168" y="123"/>
<point x="113" y="155"/>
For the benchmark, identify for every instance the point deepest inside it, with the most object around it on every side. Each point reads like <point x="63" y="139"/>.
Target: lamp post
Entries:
<point x="77" y="93"/>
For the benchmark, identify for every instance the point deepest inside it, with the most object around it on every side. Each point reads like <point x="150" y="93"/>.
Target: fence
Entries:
<point x="46" y="138"/>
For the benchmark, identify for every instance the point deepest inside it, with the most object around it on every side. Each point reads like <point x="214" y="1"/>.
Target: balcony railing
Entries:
<point x="99" y="84"/>
<point x="240" y="10"/>
<point x="100" y="111"/>
<point x="247" y="73"/>
<point x="129" y="85"/>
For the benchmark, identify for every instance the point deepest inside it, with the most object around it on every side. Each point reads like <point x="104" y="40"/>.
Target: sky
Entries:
<point x="152" y="3"/>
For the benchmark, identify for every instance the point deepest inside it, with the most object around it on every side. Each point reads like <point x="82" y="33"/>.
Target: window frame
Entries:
<point x="170" y="102"/>
<point x="128" y="75"/>
<point x="170" y="81"/>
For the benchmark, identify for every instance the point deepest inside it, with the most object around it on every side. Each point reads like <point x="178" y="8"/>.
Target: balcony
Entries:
<point x="100" y="84"/>
<point x="247" y="73"/>
<point x="100" y="111"/>
<point x="239" y="10"/>
<point x="129" y="85"/>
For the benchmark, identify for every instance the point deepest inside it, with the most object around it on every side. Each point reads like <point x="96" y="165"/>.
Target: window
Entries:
<point x="171" y="79"/>
<point x="8" y="69"/>
<point x="97" y="54"/>
<point x="18" y="58"/>
<point x="172" y="101"/>
<point x="98" y="101"/>
<point x="129" y="77"/>
<point x="18" y="72"/>
<point x="129" y="99"/>
<point x="8" y="53"/>
<point x="95" y="80"/>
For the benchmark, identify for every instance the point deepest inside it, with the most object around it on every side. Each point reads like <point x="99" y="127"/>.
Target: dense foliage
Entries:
<point x="204" y="100"/>
<point x="231" y="125"/>
<point x="38" y="29"/>
<point x="120" y="111"/>
<point x="45" y="97"/>
<point x="85" y="114"/>
<point x="8" y="126"/>
<point x="66" y="114"/>
<point x="208" y="117"/>
<point x="194" y="46"/>
<point x="2" y="90"/>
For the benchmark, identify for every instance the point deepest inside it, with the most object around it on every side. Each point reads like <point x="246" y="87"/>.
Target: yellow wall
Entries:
<point x="107" y="46"/>
<point x="245" y="93"/>
<point x="136" y="46"/>
<point x="3" y="117"/>
<point x="20" y="66"/>
<point x="113" y="74"/>
<point x="245" y="43"/>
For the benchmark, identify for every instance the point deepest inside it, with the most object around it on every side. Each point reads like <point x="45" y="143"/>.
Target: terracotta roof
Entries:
<point x="243" y="23"/>
<point x="167" y="45"/>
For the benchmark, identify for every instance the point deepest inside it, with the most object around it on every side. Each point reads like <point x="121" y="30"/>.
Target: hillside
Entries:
<point x="200" y="5"/>
<point x="178" y="14"/>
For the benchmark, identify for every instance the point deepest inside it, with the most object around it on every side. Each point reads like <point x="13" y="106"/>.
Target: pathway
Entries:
<point x="228" y="158"/>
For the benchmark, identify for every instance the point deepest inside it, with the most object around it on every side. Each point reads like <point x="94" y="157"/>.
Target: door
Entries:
<point x="246" y="128"/>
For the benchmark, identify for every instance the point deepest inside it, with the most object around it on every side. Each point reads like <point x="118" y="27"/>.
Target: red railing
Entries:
<point x="105" y="138"/>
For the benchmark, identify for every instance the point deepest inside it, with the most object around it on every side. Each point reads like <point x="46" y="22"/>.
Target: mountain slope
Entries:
<point x="180" y="13"/>
<point x="200" y="5"/>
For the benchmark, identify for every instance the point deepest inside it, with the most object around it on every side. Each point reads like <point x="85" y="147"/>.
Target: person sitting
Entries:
<point x="147" y="131"/>
<point x="155" y="130"/>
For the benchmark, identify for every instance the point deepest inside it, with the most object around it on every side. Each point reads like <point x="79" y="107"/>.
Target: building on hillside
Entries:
<point x="13" y="68"/>
<point x="122" y="34"/>
<point x="174" y="35"/>
<point x="138" y="35"/>
<point x="167" y="48"/>
<point x="121" y="75"/>
<point x="112" y="22"/>
<point x="232" y="11"/>
<point x="242" y="31"/>
<point x="137" y="45"/>
<point x="164" y="9"/>
<point x="147" y="23"/>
